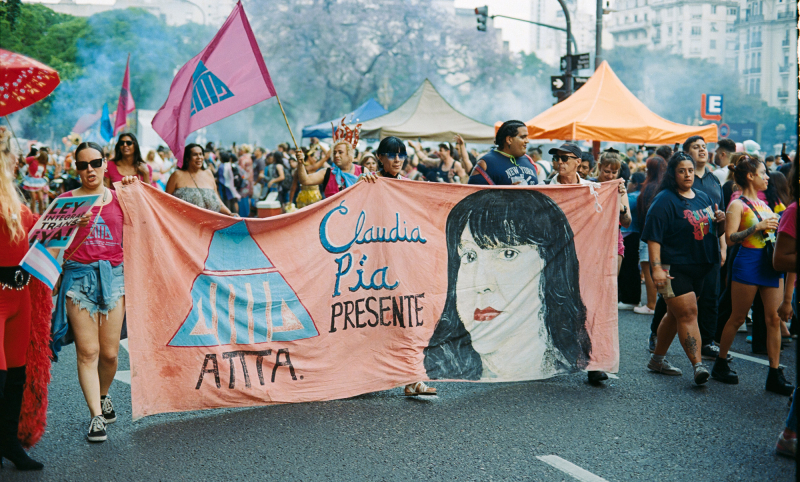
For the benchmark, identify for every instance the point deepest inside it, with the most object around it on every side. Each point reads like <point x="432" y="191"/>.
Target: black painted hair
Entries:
<point x="512" y="218"/>
<point x="89" y="145"/>
<point x="137" y="153"/>
<point x="508" y="129"/>
<point x="669" y="182"/>
<point x="688" y="143"/>
<point x="187" y="155"/>
<point x="391" y="145"/>
<point x="746" y="165"/>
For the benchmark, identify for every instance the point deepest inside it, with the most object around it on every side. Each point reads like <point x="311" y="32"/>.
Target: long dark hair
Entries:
<point x="777" y="190"/>
<point x="187" y="156"/>
<point x="512" y="218"/>
<point x="656" y="166"/>
<point x="669" y="182"/>
<point x="137" y="153"/>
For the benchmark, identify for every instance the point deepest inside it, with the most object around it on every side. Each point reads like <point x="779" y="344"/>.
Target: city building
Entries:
<point x="757" y="38"/>
<point x="767" y="51"/>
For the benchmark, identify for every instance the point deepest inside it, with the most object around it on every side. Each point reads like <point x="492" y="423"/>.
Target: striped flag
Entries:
<point x="41" y="264"/>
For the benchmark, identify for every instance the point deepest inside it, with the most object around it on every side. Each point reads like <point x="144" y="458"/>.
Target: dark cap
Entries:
<point x="567" y="147"/>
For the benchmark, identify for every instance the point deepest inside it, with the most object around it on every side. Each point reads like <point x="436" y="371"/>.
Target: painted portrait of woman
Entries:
<point x="513" y="309"/>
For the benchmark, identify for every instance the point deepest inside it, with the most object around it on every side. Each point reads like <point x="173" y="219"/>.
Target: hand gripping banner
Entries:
<point x="378" y="286"/>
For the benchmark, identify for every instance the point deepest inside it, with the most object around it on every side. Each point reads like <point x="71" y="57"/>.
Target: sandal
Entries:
<point x="419" y="388"/>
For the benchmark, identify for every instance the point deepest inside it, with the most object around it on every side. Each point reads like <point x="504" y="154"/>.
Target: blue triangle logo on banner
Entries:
<point x="241" y="298"/>
<point x="207" y="89"/>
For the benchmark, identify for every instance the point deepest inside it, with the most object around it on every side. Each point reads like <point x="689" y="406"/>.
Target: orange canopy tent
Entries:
<point x="605" y="110"/>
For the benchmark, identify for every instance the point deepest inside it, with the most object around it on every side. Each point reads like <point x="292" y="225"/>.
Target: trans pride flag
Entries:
<point x="229" y="75"/>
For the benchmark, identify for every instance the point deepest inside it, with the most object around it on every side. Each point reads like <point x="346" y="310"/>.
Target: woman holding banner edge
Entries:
<point x="93" y="280"/>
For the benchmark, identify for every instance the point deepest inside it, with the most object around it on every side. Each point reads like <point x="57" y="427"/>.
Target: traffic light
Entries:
<point x="483" y="15"/>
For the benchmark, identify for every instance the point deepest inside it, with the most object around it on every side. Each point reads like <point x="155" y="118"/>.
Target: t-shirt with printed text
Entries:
<point x="683" y="227"/>
<point x="103" y="235"/>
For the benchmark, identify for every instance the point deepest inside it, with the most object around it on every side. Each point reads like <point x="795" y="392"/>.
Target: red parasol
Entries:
<point x="23" y="81"/>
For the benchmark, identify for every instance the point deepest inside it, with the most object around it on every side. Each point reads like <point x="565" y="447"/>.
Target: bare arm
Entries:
<point x="785" y="255"/>
<point x="461" y="146"/>
<point x="172" y="183"/>
<point x="733" y="219"/>
<point x="423" y="158"/>
<point x="625" y="205"/>
<point x="280" y="177"/>
<point x="303" y="177"/>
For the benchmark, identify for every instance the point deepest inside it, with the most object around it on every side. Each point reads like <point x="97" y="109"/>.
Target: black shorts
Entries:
<point x="686" y="278"/>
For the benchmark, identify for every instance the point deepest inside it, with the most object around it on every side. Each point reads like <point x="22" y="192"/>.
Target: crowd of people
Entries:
<point x="709" y="235"/>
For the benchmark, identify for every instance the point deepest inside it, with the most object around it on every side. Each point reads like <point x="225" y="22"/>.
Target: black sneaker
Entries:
<point x="711" y="352"/>
<point x="651" y="345"/>
<point x="97" y="430"/>
<point x="722" y="372"/>
<point x="597" y="376"/>
<point x="777" y="383"/>
<point x="108" y="409"/>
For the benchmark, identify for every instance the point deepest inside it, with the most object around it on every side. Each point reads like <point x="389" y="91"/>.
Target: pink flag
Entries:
<point x="229" y="75"/>
<point x="126" y="104"/>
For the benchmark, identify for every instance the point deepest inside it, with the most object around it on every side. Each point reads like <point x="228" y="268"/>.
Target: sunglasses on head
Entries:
<point x="126" y="143"/>
<point x="84" y="165"/>
<point x="396" y="155"/>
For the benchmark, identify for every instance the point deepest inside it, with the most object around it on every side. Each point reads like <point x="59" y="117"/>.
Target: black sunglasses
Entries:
<point x="84" y="165"/>
<point x="564" y="157"/>
<point x="125" y="143"/>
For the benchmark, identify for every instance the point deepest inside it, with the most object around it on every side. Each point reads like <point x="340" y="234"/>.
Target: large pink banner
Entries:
<point x="378" y="286"/>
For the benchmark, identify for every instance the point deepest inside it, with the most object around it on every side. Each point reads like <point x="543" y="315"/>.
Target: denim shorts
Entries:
<point x="644" y="254"/>
<point x="85" y="292"/>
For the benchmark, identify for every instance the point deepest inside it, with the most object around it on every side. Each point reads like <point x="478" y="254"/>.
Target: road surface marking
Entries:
<point x="124" y="376"/>
<point x="124" y="344"/>
<point x="612" y="376"/>
<point x="751" y="358"/>
<point x="570" y="468"/>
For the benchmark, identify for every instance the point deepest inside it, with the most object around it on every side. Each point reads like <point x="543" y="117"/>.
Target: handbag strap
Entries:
<point x="758" y="216"/>
<point x="483" y="173"/>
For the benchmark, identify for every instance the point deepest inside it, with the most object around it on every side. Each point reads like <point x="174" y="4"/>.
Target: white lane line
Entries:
<point x="751" y="358"/>
<point x="124" y="376"/>
<point x="570" y="468"/>
<point x="612" y="376"/>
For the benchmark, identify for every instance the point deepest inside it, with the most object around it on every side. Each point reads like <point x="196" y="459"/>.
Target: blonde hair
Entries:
<point x="10" y="202"/>
<point x="350" y="149"/>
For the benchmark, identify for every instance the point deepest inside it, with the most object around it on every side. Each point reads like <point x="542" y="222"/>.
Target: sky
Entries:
<point x="516" y="33"/>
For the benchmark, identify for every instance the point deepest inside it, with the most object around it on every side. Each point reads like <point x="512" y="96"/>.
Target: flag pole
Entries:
<point x="287" y="121"/>
<point x="15" y="136"/>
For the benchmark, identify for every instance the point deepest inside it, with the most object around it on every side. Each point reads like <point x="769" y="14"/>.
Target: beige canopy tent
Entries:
<point x="427" y="116"/>
<point x="605" y="110"/>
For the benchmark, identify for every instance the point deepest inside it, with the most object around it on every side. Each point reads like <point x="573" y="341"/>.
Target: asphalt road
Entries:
<point x="642" y="426"/>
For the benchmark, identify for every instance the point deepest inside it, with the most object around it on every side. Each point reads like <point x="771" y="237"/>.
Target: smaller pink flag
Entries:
<point x="125" y="105"/>
<point x="228" y="76"/>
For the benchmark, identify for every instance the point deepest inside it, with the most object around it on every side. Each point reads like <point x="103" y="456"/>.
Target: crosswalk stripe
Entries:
<point x="124" y="376"/>
<point x="569" y="468"/>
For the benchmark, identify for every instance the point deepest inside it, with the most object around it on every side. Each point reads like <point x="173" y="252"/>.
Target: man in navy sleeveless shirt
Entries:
<point x="507" y="164"/>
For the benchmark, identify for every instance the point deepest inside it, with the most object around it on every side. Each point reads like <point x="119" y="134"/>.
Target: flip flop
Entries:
<point x="419" y="388"/>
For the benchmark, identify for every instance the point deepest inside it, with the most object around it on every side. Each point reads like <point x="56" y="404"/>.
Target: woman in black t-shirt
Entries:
<point x="680" y="233"/>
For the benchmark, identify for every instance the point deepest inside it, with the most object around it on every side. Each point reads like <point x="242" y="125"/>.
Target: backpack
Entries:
<point x="286" y="184"/>
<point x="238" y="180"/>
